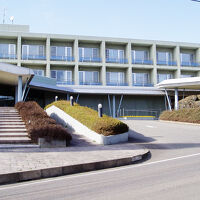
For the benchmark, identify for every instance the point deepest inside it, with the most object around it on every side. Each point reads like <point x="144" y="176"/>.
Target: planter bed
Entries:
<point x="40" y="125"/>
<point x="73" y="125"/>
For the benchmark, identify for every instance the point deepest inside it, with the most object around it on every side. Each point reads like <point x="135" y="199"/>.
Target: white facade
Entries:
<point x="105" y="61"/>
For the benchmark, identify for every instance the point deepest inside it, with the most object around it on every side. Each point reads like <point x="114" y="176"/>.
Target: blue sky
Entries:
<point x="173" y="20"/>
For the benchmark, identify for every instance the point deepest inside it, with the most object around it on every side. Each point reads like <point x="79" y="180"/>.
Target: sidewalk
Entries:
<point x="20" y="164"/>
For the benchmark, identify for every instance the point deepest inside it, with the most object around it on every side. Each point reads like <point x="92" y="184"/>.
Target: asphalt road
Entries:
<point x="173" y="172"/>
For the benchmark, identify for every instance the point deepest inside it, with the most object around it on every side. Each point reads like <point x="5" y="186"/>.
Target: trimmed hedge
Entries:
<point x="39" y="124"/>
<point x="105" y="125"/>
<point x="191" y="115"/>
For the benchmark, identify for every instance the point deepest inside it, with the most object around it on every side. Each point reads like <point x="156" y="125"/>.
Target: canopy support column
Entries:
<point x="109" y="105"/>
<point x="119" y="105"/>
<point x="114" y="112"/>
<point x="19" y="89"/>
<point x="176" y="99"/>
<point x="168" y="100"/>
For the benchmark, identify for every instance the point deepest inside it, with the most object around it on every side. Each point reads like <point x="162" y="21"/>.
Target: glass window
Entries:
<point x="38" y="72"/>
<point x="139" y="55"/>
<point x="25" y="50"/>
<point x="81" y="76"/>
<point x="53" y="51"/>
<point x="187" y="57"/>
<point x="162" y="77"/>
<point x="88" y="52"/>
<point x="33" y="50"/>
<point x="41" y="50"/>
<point x="115" y="77"/>
<point x="53" y="74"/>
<point x="186" y="75"/>
<point x="68" y="51"/>
<point x="61" y="51"/>
<point x="6" y="49"/>
<point x="140" y="78"/>
<point x="164" y="56"/>
<point x="61" y="75"/>
<point x="89" y="76"/>
<point x="114" y="54"/>
<point x="12" y="49"/>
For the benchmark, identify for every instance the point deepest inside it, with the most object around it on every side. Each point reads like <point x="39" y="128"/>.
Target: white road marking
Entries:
<point x="97" y="172"/>
<point x="148" y="126"/>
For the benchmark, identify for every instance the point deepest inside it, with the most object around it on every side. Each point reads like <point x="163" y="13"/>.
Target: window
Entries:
<point x="32" y="50"/>
<point x="62" y="76"/>
<point x="162" y="77"/>
<point x="7" y="50"/>
<point x="114" y="54"/>
<point x="61" y="51"/>
<point x="88" y="77"/>
<point x="139" y="55"/>
<point x="186" y="75"/>
<point x="187" y="57"/>
<point x="164" y="57"/>
<point x="38" y="72"/>
<point x="115" y="77"/>
<point x="88" y="52"/>
<point x="140" y="79"/>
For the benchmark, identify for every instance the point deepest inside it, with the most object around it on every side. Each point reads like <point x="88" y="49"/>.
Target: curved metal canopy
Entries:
<point x="9" y="74"/>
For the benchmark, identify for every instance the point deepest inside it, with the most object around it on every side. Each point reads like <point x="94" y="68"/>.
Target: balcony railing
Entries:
<point x="117" y="60"/>
<point x="89" y="59"/>
<point x="143" y="84"/>
<point x="143" y="62"/>
<point x="191" y="64"/>
<point x="168" y="63"/>
<point x="116" y="84"/>
<point x="8" y="56"/>
<point x="63" y="82"/>
<point x="89" y="83"/>
<point x="62" y="58"/>
<point x="33" y="57"/>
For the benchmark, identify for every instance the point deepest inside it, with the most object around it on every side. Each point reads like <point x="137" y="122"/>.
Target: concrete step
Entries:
<point x="11" y="123"/>
<point x="10" y="120"/>
<point x="11" y="126"/>
<point x="14" y="134"/>
<point x="15" y="140"/>
<point x="11" y="113"/>
<point x="8" y="111"/>
<point x="15" y="146"/>
<point x="3" y="130"/>
<point x="10" y="116"/>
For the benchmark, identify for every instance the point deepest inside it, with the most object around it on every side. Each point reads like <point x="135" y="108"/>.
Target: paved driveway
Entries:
<point x="165" y="139"/>
<point x="172" y="173"/>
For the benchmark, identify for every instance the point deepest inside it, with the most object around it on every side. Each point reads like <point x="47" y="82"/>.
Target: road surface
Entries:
<point x="173" y="172"/>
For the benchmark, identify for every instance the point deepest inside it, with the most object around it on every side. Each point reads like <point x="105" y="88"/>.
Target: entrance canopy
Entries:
<point x="12" y="75"/>
<point x="9" y="74"/>
<point x="192" y="83"/>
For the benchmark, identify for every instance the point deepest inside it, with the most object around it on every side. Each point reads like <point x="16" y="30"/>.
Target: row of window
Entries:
<point x="64" y="77"/>
<point x="93" y="55"/>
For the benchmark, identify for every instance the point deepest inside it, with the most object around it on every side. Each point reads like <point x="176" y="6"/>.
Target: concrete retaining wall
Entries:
<point x="75" y="126"/>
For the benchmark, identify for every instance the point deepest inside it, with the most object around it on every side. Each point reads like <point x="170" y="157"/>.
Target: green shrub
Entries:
<point x="39" y="124"/>
<point x="105" y="125"/>
<point x="191" y="115"/>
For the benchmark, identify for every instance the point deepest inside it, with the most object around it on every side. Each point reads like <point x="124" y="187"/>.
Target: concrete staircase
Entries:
<point x="12" y="128"/>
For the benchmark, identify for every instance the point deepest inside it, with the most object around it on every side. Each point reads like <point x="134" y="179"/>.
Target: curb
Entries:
<point x="177" y="122"/>
<point x="67" y="170"/>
